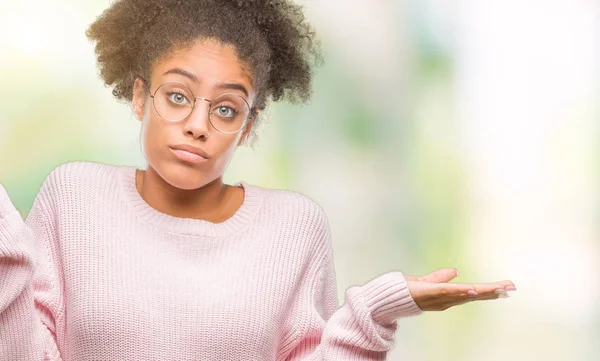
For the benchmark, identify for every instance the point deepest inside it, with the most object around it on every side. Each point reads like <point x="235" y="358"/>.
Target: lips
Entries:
<point x="190" y="154"/>
<point x="191" y="149"/>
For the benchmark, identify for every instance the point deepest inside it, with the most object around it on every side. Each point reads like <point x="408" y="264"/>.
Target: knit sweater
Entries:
<point x="96" y="273"/>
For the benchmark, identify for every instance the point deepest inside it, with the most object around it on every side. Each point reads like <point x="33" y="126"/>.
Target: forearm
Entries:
<point x="23" y="335"/>
<point x="364" y="327"/>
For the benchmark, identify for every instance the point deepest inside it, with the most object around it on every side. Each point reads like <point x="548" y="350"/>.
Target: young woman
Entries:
<point x="170" y="263"/>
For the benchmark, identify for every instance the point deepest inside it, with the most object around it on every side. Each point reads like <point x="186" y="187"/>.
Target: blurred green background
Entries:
<point x="440" y="134"/>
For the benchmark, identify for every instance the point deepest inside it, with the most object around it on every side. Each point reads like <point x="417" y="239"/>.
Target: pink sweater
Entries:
<point x="95" y="273"/>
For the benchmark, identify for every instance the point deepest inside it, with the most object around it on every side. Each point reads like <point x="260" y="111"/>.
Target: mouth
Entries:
<point x="189" y="154"/>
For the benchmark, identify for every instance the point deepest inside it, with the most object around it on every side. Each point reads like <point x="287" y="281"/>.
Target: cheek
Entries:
<point x="150" y="138"/>
<point x="227" y="149"/>
<point x="222" y="155"/>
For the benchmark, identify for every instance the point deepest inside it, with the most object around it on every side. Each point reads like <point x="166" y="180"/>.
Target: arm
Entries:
<point x="30" y="298"/>
<point x="362" y="329"/>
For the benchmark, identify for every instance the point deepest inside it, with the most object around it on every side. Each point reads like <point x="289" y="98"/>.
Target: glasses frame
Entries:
<point x="246" y="121"/>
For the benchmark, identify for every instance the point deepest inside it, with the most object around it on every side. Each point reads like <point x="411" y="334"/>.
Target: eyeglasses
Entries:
<point x="174" y="102"/>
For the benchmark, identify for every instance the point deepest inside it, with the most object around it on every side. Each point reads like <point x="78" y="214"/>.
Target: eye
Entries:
<point x="225" y="111"/>
<point x="177" y="98"/>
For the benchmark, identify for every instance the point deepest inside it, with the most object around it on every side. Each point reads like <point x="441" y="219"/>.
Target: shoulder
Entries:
<point x="78" y="171"/>
<point x="79" y="175"/>
<point x="295" y="212"/>
<point x="75" y="178"/>
<point x="292" y="203"/>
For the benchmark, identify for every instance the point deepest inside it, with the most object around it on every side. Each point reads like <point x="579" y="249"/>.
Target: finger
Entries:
<point x="464" y="300"/>
<point x="495" y="286"/>
<point x="440" y="292"/>
<point x="498" y="293"/>
<point x="439" y="297"/>
<point x="490" y="296"/>
<point x="508" y="285"/>
<point x="447" y="302"/>
<point x="461" y="289"/>
<point x="441" y="276"/>
<point x="493" y="290"/>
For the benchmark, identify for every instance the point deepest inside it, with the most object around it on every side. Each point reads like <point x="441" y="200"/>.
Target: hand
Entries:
<point x="432" y="292"/>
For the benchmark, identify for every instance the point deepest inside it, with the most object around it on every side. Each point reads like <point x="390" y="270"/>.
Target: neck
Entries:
<point x="211" y="202"/>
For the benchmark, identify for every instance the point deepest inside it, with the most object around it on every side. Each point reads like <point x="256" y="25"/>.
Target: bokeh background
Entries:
<point x="440" y="134"/>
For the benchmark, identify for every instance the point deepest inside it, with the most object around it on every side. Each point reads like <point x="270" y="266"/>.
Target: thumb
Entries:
<point x="441" y="276"/>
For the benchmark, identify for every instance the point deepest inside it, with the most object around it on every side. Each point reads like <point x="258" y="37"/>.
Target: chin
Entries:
<point x="185" y="177"/>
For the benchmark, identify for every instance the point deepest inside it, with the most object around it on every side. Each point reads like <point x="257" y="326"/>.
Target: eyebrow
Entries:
<point x="194" y="78"/>
<point x="185" y="73"/>
<point x="233" y="86"/>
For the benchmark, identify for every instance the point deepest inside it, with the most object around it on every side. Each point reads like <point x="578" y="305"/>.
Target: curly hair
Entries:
<point x="272" y="37"/>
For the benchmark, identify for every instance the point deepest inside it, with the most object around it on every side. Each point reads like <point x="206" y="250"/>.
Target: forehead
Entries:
<point x="211" y="63"/>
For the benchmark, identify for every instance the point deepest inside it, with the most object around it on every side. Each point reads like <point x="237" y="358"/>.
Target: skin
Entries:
<point x="197" y="191"/>
<point x="433" y="292"/>
<point x="169" y="184"/>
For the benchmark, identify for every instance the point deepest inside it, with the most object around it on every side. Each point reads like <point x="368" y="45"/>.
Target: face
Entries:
<point x="209" y="70"/>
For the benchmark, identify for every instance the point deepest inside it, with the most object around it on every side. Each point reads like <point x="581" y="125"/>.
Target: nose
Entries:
<point x="197" y="123"/>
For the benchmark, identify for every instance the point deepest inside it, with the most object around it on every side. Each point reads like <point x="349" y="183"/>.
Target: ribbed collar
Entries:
<point x="188" y="226"/>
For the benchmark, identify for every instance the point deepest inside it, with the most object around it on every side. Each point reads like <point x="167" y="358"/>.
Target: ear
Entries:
<point x="248" y="128"/>
<point x="139" y="98"/>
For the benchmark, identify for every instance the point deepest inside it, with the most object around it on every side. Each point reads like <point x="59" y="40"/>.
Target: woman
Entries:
<point x="170" y="263"/>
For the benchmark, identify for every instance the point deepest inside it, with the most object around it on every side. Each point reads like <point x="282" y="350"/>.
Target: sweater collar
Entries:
<point x="189" y="226"/>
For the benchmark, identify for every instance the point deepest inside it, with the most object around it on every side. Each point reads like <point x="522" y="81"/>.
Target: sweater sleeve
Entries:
<point x="30" y="295"/>
<point x="362" y="329"/>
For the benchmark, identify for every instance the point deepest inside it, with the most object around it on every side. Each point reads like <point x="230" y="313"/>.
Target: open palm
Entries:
<point x="433" y="292"/>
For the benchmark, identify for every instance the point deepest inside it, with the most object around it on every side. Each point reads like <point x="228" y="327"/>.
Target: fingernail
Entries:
<point x="510" y="288"/>
<point x="472" y="293"/>
<point x="457" y="273"/>
<point x="502" y="293"/>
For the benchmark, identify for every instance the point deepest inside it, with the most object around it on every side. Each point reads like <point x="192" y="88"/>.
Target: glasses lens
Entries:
<point x="229" y="113"/>
<point x="173" y="101"/>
